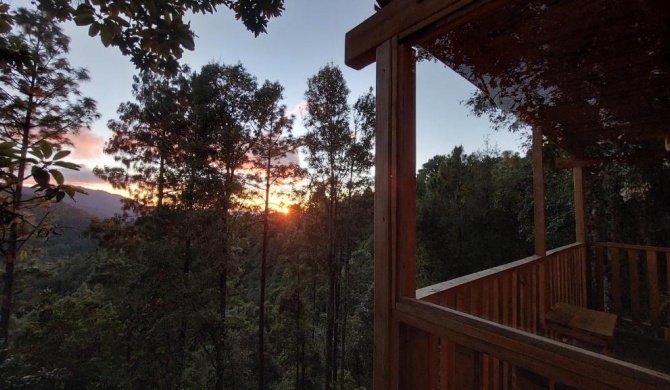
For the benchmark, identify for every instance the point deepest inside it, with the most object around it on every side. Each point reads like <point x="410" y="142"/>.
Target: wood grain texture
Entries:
<point x="556" y="361"/>
<point x="402" y="18"/>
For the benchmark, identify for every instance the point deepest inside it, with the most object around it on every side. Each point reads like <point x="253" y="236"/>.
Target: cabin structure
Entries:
<point x="592" y="77"/>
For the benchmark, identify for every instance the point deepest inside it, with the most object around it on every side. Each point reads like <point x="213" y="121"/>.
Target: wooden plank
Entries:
<point x="563" y="277"/>
<point x="404" y="146"/>
<point x="654" y="289"/>
<point x="584" y="275"/>
<point x="539" y="218"/>
<point x="469" y="366"/>
<point x="476" y="300"/>
<point x="634" y="273"/>
<point x="402" y="18"/>
<point x="384" y="267"/>
<point x="506" y="300"/>
<point x="615" y="261"/>
<point x="419" y="360"/>
<point x="599" y="279"/>
<point x="544" y="291"/>
<point x="535" y="298"/>
<point x="580" y="205"/>
<point x="447" y="367"/>
<point x="514" y="297"/>
<point x="571" y="275"/>
<point x="495" y="300"/>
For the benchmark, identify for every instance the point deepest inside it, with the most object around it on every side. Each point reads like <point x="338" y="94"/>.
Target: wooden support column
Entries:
<point x="580" y="205"/>
<point x="540" y="225"/>
<point x="395" y="215"/>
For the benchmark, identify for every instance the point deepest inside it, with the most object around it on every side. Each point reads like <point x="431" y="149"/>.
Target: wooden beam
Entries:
<point x="404" y="147"/>
<point x="580" y="205"/>
<point x="385" y="341"/>
<point x="401" y="18"/>
<point x="395" y="206"/>
<point x="540" y="225"/>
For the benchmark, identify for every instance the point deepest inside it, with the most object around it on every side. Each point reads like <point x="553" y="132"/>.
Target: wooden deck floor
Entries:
<point x="638" y="349"/>
<point x="642" y="350"/>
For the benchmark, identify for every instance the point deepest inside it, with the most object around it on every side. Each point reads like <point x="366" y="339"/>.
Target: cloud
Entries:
<point x="298" y="110"/>
<point x="85" y="178"/>
<point x="290" y="158"/>
<point x="87" y="146"/>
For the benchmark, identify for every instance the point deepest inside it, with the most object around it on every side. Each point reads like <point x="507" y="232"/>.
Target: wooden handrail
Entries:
<point x="556" y="361"/>
<point x="634" y="247"/>
<point x="437" y="288"/>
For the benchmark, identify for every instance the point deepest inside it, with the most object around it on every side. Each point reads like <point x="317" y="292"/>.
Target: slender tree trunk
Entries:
<point x="330" y="320"/>
<point x="345" y="292"/>
<point x="12" y="244"/>
<point x="331" y="325"/>
<point x="223" y="287"/>
<point x="264" y="254"/>
<point x="161" y="182"/>
<point x="221" y="350"/>
<point x="297" y="350"/>
<point x="184" y="307"/>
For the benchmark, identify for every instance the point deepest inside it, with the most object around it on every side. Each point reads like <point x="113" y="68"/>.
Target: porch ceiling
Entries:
<point x="593" y="75"/>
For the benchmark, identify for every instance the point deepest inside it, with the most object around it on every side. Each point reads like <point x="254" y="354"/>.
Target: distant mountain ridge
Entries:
<point x="98" y="203"/>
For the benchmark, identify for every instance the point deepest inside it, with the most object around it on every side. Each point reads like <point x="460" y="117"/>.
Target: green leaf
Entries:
<point x="5" y="26"/>
<point x="69" y="191"/>
<point x="57" y="176"/>
<point x="60" y="196"/>
<point x="7" y="145"/>
<point x="187" y="42"/>
<point x="37" y="152"/>
<point x="65" y="164"/>
<point x="94" y="29"/>
<point x="41" y="177"/>
<point x="84" y="19"/>
<point x="46" y="149"/>
<point x="106" y="35"/>
<point x="61" y="154"/>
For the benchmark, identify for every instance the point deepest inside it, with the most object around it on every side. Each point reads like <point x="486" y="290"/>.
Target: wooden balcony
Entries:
<point x="504" y="309"/>
<point x="591" y="77"/>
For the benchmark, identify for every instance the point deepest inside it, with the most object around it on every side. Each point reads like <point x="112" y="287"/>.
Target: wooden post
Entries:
<point x="385" y="342"/>
<point x="580" y="205"/>
<point x="395" y="215"/>
<point x="538" y="195"/>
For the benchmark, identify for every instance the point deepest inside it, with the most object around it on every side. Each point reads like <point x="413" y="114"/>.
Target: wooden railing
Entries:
<point x="631" y="281"/>
<point x="450" y="350"/>
<point x="517" y="294"/>
<point x="482" y="331"/>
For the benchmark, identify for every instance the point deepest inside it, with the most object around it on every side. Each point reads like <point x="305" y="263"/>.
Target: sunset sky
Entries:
<point x="307" y="36"/>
